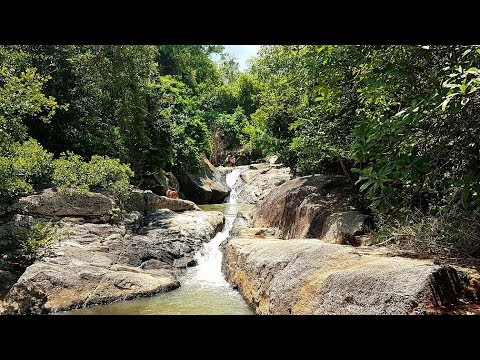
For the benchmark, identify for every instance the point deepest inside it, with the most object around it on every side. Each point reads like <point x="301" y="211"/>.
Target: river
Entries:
<point x="203" y="290"/>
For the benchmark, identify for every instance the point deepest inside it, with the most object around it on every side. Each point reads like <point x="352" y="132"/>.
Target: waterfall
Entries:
<point x="208" y="271"/>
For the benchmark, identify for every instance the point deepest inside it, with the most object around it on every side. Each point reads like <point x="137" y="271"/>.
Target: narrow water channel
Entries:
<point x="203" y="290"/>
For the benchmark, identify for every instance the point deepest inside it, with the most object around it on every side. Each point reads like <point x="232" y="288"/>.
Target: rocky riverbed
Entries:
<point x="94" y="261"/>
<point x="304" y="249"/>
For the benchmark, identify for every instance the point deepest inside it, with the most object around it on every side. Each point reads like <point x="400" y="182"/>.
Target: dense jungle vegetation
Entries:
<point x="401" y="122"/>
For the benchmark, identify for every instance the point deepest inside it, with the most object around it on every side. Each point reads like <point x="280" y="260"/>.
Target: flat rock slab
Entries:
<point x="99" y="263"/>
<point x="51" y="202"/>
<point x="309" y="276"/>
<point x="146" y="202"/>
<point x="154" y="201"/>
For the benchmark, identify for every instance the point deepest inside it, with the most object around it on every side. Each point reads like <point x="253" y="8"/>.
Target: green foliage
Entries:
<point x="400" y="120"/>
<point x="148" y="106"/>
<point x="124" y="101"/>
<point x="192" y="143"/>
<point x="260" y="140"/>
<point x="229" y="68"/>
<point x="73" y="175"/>
<point x="231" y="127"/>
<point x="32" y="162"/>
<point x="27" y="165"/>
<point x="115" y="215"/>
<point x="35" y="241"/>
<point x="20" y="96"/>
<point x="23" y="162"/>
<point x="111" y="175"/>
<point x="227" y="112"/>
<point x="191" y="63"/>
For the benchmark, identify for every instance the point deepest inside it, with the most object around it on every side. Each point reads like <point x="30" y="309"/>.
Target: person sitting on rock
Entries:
<point x="232" y="161"/>
<point x="172" y="194"/>
<point x="227" y="161"/>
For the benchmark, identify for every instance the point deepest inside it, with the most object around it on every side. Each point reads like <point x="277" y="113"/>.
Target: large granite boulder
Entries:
<point x="51" y="202"/>
<point x="309" y="276"/>
<point x="300" y="208"/>
<point x="255" y="183"/>
<point x="207" y="187"/>
<point x="345" y="228"/>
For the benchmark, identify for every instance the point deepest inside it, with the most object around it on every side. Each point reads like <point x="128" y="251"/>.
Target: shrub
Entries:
<point x="71" y="174"/>
<point x="35" y="242"/>
<point x="231" y="127"/>
<point x="192" y="143"/>
<point x="111" y="175"/>
<point x="450" y="231"/>
<point x="115" y="216"/>
<point x="27" y="165"/>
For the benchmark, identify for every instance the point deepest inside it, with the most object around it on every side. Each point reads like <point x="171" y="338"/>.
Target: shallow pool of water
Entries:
<point x="189" y="299"/>
<point x="227" y="209"/>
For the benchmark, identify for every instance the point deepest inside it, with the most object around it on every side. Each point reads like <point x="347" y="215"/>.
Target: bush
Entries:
<point x="28" y="165"/>
<point x="192" y="143"/>
<point x="231" y="127"/>
<point x="449" y="231"/>
<point x="35" y="242"/>
<point x="33" y="162"/>
<point x="71" y="174"/>
<point x="111" y="175"/>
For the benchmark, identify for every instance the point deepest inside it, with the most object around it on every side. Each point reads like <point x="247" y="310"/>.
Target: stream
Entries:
<point x="203" y="290"/>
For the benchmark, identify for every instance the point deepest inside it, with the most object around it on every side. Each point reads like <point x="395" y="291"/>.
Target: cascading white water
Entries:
<point x="231" y="179"/>
<point x="208" y="271"/>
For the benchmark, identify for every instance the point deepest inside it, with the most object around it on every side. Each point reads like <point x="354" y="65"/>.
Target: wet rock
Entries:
<point x="168" y="236"/>
<point x="309" y="276"/>
<point x="184" y="262"/>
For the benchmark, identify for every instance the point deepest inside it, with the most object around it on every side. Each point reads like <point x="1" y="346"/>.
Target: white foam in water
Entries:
<point x="208" y="271"/>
